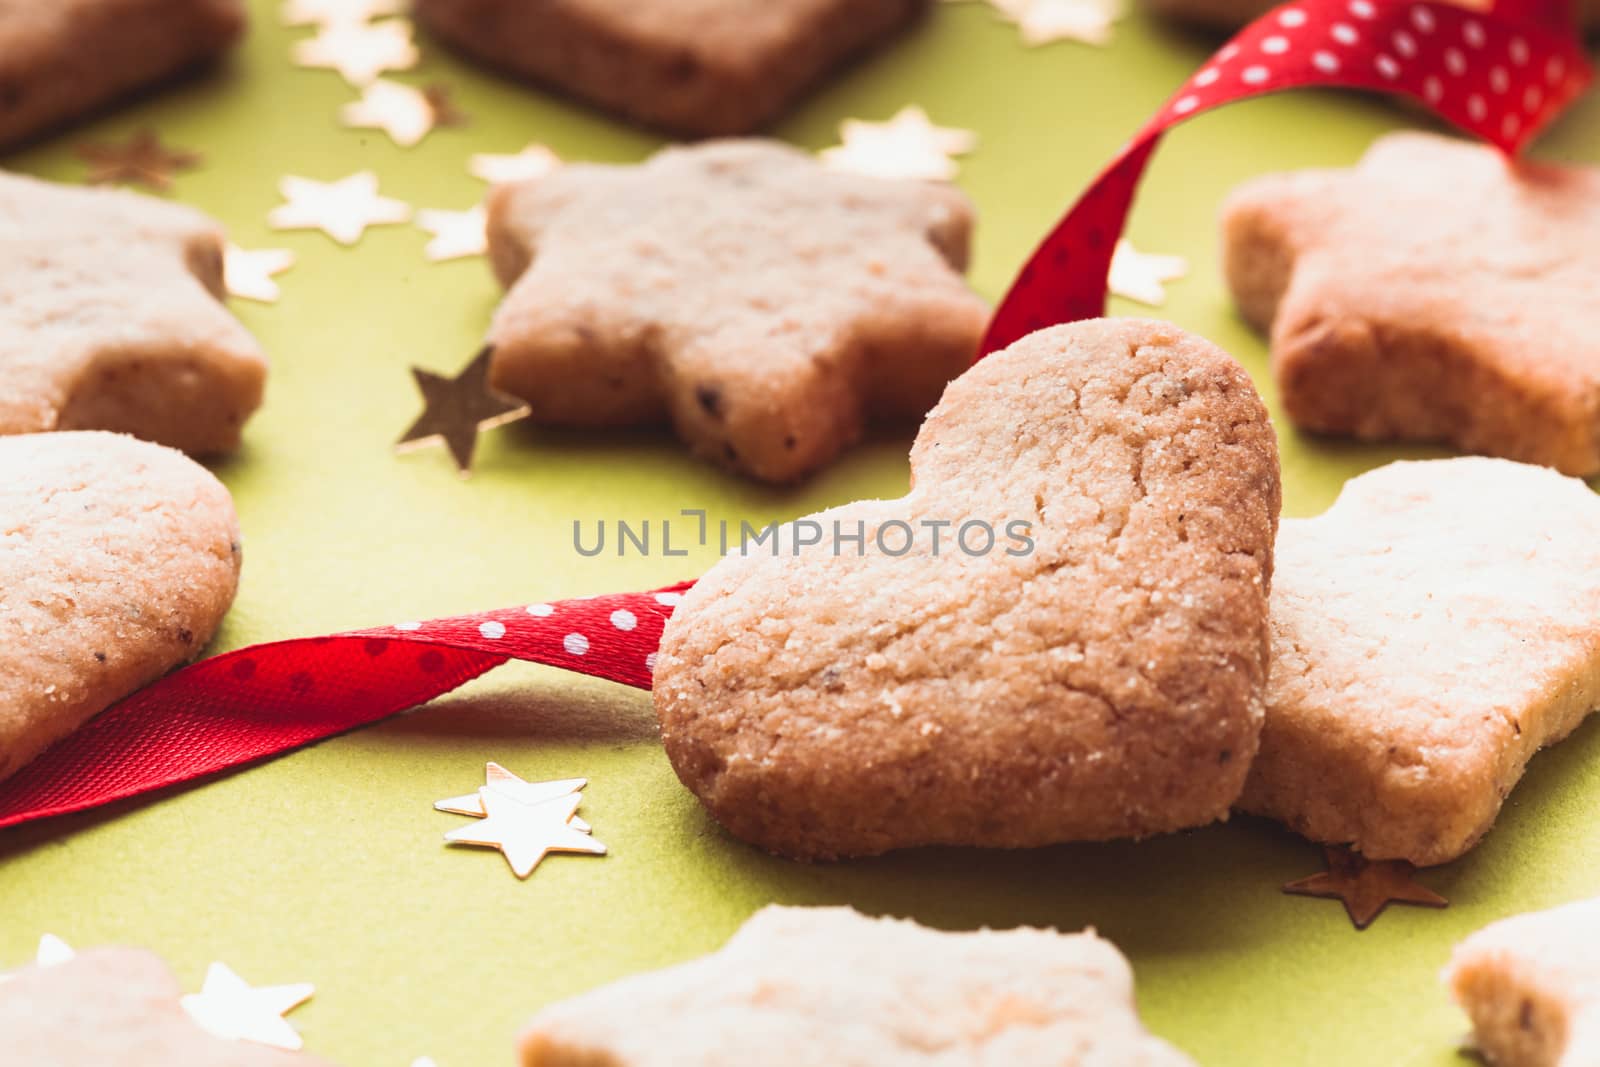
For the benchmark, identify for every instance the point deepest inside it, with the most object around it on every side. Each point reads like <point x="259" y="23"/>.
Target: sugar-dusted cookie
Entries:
<point x="110" y="319"/>
<point x="1231" y="14"/>
<point x="698" y="68"/>
<point x="1531" y="985"/>
<point x="1435" y="292"/>
<point x="768" y="306"/>
<point x="62" y="58"/>
<point x="115" y="1006"/>
<point x="871" y="691"/>
<point x="118" y="559"/>
<point x="1430" y="632"/>
<point x="828" y="987"/>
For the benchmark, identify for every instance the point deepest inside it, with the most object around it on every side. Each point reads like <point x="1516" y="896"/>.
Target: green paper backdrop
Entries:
<point x="327" y="865"/>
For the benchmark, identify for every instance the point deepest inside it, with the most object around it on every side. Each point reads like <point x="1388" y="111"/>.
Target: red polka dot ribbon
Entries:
<point x="244" y="706"/>
<point x="1502" y="74"/>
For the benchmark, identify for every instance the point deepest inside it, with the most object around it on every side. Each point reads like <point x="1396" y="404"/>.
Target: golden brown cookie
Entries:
<point x="767" y="306"/>
<point x="115" y="1006"/>
<point x="900" y="683"/>
<point x="118" y="559"/>
<point x="1430" y="632"/>
<point x="828" y="987"/>
<point x="1531" y="985"/>
<point x="1435" y="292"/>
<point x="112" y="319"/>
<point x="60" y="59"/>
<point x="699" y="68"/>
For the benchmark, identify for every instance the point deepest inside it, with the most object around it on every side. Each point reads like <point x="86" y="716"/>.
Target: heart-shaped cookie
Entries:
<point x="118" y="559"/>
<point x="1095" y="673"/>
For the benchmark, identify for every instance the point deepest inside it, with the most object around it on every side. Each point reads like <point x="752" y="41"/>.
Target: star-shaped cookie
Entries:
<point x="1435" y="292"/>
<point x="110" y="318"/>
<point x="116" y="1005"/>
<point x="765" y="305"/>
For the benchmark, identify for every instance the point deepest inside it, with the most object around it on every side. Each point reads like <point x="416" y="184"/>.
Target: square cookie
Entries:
<point x="1430" y="632"/>
<point x="60" y="59"/>
<point x="697" y="68"/>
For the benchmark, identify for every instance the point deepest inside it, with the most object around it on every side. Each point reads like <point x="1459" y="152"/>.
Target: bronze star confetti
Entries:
<point x="442" y="101"/>
<point x="228" y="1007"/>
<point x="456" y="409"/>
<point x="1142" y="276"/>
<point x="908" y="145"/>
<point x="526" y="833"/>
<point x="1365" y="886"/>
<point x="142" y="159"/>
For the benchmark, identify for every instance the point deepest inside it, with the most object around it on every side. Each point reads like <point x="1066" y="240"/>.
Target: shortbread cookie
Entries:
<point x="828" y="987"/>
<point x="115" y="1006"/>
<point x="1433" y="293"/>
<point x="111" y="320"/>
<point x="698" y="68"/>
<point x="118" y="559"/>
<point x="60" y="59"/>
<point x="1231" y="14"/>
<point x="768" y="306"/>
<point x="1102" y="681"/>
<point x="1531" y="985"/>
<point x="1430" y="632"/>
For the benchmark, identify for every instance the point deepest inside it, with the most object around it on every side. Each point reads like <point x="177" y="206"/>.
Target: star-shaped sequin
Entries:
<point x="908" y="145"/>
<point x="498" y="778"/>
<point x="1142" y="276"/>
<point x="337" y="12"/>
<point x="229" y="1007"/>
<point x="143" y="159"/>
<point x="534" y="161"/>
<point x="341" y="209"/>
<point x="248" y="273"/>
<point x="456" y="409"/>
<point x="360" y="51"/>
<point x="1365" y="886"/>
<point x="455" y="233"/>
<point x="526" y="833"/>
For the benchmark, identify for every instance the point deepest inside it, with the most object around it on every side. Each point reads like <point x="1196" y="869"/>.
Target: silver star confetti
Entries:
<point x="360" y="51"/>
<point x="534" y="161"/>
<point x="341" y="209"/>
<point x="230" y="1008"/>
<point x="1142" y="276"/>
<point x="455" y="233"/>
<point x="908" y="145"/>
<point x="248" y="274"/>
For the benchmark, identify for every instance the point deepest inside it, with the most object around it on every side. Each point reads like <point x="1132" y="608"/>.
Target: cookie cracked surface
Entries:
<point x="118" y="559"/>
<point x="111" y="319"/>
<point x="60" y="59"/>
<point x="767" y="306"/>
<point x="697" y="68"/>
<point x="1105" y="684"/>
<point x="828" y="987"/>
<point x="1430" y="632"/>
<point x="1531" y="985"/>
<point x="1435" y="292"/>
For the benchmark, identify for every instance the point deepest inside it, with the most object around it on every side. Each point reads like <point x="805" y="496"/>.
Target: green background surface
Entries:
<point x="327" y="865"/>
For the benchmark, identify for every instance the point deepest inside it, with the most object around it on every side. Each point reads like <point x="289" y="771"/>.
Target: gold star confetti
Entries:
<point x="1142" y="276"/>
<point x="1365" y="886"/>
<point x="337" y="12"/>
<point x="525" y="833"/>
<point x="908" y="145"/>
<point x="398" y="110"/>
<point x="1086" y="21"/>
<point x="230" y="1008"/>
<point x="534" y="161"/>
<point x="456" y="409"/>
<point x="248" y="273"/>
<point x="52" y="951"/>
<point x="455" y="233"/>
<point x="341" y="209"/>
<point x="360" y="51"/>
<point x="498" y="778"/>
<point x="142" y="159"/>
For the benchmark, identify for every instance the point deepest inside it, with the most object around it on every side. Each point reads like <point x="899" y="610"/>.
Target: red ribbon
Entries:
<point x="1502" y="75"/>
